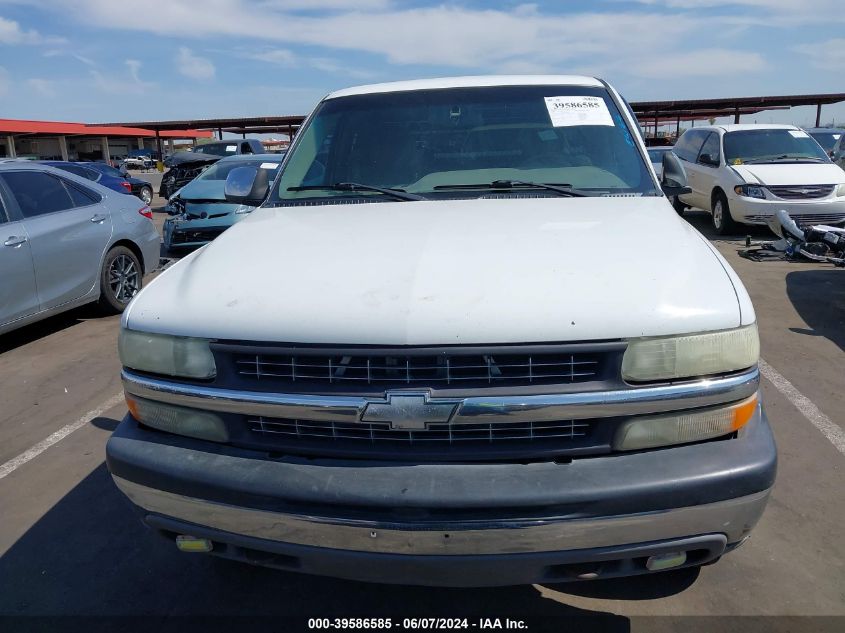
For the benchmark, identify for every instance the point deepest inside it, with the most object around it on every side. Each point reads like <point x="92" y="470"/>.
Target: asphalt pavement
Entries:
<point x="71" y="548"/>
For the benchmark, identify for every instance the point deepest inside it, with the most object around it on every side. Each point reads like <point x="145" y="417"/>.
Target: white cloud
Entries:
<point x="194" y="66"/>
<point x="119" y="84"/>
<point x="280" y="56"/>
<point x="12" y="33"/>
<point x="828" y="55"/>
<point x="134" y="67"/>
<point x="43" y="87"/>
<point x="699" y="63"/>
<point x="289" y="59"/>
<point x="53" y="52"/>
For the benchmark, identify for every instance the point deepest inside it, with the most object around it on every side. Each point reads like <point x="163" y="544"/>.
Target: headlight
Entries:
<point x="163" y="354"/>
<point x="180" y="420"/>
<point x="840" y="190"/>
<point x="684" y="427"/>
<point x="665" y="358"/>
<point x="751" y="191"/>
<point x="244" y="208"/>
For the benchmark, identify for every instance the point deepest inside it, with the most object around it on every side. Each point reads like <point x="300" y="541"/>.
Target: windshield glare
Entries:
<point x="220" y="170"/>
<point x="771" y="145"/>
<point x="425" y="141"/>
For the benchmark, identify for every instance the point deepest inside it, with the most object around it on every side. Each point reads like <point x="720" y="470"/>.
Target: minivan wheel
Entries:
<point x="723" y="223"/>
<point x="679" y="206"/>
<point x="120" y="279"/>
<point x="146" y="195"/>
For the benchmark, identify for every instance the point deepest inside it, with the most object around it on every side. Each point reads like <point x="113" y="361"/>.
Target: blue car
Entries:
<point x="199" y="209"/>
<point x="107" y="176"/>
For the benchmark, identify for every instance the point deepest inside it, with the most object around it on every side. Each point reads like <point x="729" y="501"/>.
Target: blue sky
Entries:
<point x="104" y="60"/>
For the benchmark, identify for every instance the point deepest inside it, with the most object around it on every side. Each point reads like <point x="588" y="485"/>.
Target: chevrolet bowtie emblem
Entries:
<point x="409" y="411"/>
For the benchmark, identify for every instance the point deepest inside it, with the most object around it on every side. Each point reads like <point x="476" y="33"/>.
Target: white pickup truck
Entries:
<point x="465" y="340"/>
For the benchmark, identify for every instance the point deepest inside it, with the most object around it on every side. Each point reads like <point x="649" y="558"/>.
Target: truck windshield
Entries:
<point x="461" y="142"/>
<point x="772" y="146"/>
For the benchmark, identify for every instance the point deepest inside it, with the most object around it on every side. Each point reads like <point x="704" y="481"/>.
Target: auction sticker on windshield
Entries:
<point x="586" y="110"/>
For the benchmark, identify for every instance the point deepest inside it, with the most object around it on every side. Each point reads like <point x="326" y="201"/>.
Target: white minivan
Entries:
<point x="744" y="173"/>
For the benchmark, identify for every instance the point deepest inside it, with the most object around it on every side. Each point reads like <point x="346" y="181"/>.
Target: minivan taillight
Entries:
<point x="146" y="212"/>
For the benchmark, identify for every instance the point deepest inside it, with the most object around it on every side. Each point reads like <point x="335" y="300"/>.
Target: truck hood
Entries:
<point x="791" y="174"/>
<point x="447" y="272"/>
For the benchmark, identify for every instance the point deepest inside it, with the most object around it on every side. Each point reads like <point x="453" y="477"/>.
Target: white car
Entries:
<point x="744" y="173"/>
<point x="429" y="356"/>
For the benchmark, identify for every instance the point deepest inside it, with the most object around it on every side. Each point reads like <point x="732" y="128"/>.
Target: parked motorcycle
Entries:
<point x="818" y="242"/>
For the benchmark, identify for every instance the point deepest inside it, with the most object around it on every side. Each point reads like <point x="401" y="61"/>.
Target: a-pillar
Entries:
<point x="63" y="147"/>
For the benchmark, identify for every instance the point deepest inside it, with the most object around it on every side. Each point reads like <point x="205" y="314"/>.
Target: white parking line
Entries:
<point x="828" y="427"/>
<point x="34" y="451"/>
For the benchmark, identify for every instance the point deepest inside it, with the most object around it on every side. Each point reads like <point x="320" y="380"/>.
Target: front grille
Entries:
<point x="801" y="192"/>
<point x="801" y="219"/>
<point x="195" y="235"/>
<point x="497" y="368"/>
<point x="444" y="434"/>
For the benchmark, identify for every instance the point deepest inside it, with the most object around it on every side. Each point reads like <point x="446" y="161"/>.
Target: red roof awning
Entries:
<point x="57" y="128"/>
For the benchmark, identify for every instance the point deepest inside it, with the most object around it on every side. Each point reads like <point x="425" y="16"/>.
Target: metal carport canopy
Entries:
<point x="728" y="106"/>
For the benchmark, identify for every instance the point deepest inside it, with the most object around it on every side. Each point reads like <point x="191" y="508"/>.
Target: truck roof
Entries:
<point x="469" y="82"/>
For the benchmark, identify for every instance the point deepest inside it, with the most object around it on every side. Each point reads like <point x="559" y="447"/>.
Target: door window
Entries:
<point x="688" y="146"/>
<point x="710" y="147"/>
<point x="38" y="193"/>
<point x="81" y="196"/>
<point x="84" y="172"/>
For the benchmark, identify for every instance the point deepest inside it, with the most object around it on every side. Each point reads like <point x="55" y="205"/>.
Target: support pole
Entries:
<point x="736" y="114"/>
<point x="160" y="162"/>
<point x="10" y="146"/>
<point x="63" y="147"/>
<point x="140" y="142"/>
<point x="678" y="127"/>
<point x="655" y="123"/>
<point x="104" y="144"/>
<point x="220" y="133"/>
<point x="818" y="114"/>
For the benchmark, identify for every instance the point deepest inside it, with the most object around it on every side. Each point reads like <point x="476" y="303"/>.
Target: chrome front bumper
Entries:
<point x="733" y="517"/>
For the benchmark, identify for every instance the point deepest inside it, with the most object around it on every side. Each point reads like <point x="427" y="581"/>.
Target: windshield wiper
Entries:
<point x="399" y="194"/>
<point x="776" y="159"/>
<point x="564" y="189"/>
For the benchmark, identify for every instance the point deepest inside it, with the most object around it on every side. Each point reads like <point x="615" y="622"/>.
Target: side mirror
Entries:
<point x="247" y="185"/>
<point x="707" y="159"/>
<point x="674" y="180"/>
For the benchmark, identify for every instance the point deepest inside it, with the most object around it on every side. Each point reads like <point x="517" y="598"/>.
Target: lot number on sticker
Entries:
<point x="231" y="148"/>
<point x="798" y="134"/>
<point x="569" y="111"/>
<point x="269" y="165"/>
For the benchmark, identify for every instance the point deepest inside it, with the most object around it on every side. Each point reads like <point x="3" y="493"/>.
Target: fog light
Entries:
<point x="683" y="428"/>
<point x="187" y="543"/>
<point x="660" y="562"/>
<point x="179" y="420"/>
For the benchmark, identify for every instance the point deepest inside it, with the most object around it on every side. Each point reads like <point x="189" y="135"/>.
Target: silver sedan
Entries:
<point x="66" y="241"/>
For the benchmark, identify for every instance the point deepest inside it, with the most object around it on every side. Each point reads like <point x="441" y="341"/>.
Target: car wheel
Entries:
<point x="679" y="206"/>
<point x="146" y="195"/>
<point x="120" y="279"/>
<point x="723" y="223"/>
